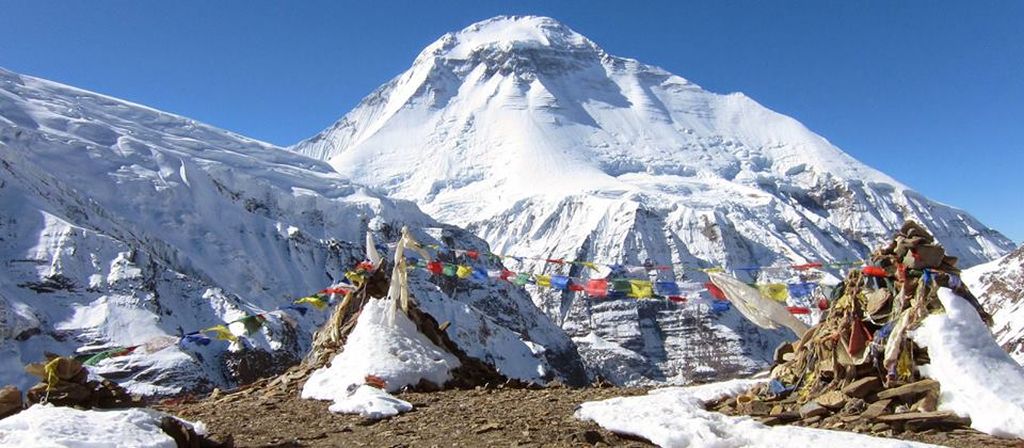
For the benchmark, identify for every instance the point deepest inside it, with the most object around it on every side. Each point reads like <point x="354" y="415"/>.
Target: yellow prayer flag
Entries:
<point x="313" y="300"/>
<point x="589" y="264"/>
<point x="640" y="289"/>
<point x="463" y="271"/>
<point x="542" y="280"/>
<point x="716" y="269"/>
<point x="775" y="291"/>
<point x="221" y="332"/>
<point x="355" y="277"/>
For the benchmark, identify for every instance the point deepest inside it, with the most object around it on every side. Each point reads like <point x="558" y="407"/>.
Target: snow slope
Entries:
<point x="46" y="426"/>
<point x="122" y="225"/>
<point x="999" y="285"/>
<point x="530" y="135"/>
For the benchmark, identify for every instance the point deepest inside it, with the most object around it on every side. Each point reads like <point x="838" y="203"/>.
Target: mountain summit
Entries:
<point x="531" y="136"/>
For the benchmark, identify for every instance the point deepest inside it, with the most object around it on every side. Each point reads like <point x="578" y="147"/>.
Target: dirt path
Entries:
<point x="473" y="418"/>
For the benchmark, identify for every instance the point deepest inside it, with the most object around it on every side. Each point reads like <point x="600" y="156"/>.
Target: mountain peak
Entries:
<point x="506" y="34"/>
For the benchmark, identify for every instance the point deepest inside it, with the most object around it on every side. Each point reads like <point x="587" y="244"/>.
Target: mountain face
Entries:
<point x="121" y="225"/>
<point x="529" y="135"/>
<point x="999" y="285"/>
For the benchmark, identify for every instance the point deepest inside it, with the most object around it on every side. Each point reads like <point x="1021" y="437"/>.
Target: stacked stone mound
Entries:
<point x="857" y="369"/>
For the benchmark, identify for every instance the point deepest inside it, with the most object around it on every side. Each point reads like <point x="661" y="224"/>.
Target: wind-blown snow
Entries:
<point x="531" y="136"/>
<point x="46" y="426"/>
<point x="675" y="417"/>
<point x="977" y="378"/>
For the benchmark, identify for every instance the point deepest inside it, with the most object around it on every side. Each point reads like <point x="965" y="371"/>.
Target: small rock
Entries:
<point x="928" y="403"/>
<point x="811" y="420"/>
<point x="832" y="399"/>
<point x="776" y="410"/>
<point x="863" y="387"/>
<point x="812" y="409"/>
<point x="490" y="426"/>
<point x="879" y="427"/>
<point x="876" y="409"/>
<point x="907" y="391"/>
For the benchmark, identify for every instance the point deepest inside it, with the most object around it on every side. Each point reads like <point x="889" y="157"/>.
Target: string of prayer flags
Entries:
<point x="317" y="302"/>
<point x="597" y="287"/>
<point x="560" y="282"/>
<point x="667" y="288"/>
<point x="221" y="332"/>
<point x="714" y="291"/>
<point x="775" y="291"/>
<point x="640" y="289"/>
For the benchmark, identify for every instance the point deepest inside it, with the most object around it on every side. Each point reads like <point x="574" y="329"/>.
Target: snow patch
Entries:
<point x="45" y="426"/>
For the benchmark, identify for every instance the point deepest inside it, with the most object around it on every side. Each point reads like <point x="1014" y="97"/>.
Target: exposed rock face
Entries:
<point x="534" y="138"/>
<point x="999" y="286"/>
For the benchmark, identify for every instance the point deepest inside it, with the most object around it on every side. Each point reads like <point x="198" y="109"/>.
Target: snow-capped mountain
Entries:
<point x="122" y="225"/>
<point x="999" y="285"/>
<point x="531" y="136"/>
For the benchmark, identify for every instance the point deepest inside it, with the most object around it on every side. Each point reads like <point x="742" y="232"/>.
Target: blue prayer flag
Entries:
<point x="479" y="275"/>
<point x="667" y="288"/>
<point x="559" y="282"/>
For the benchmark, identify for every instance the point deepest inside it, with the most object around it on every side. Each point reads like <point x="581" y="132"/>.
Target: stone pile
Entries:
<point x="857" y="368"/>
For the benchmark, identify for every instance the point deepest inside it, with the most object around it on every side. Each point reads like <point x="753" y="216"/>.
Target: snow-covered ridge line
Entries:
<point x="125" y="224"/>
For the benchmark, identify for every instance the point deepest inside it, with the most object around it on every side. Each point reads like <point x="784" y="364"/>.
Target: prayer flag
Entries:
<point x="720" y="306"/>
<point x="473" y="254"/>
<point x="775" y="291"/>
<point x="715" y="292"/>
<point x="667" y="288"/>
<point x="801" y="289"/>
<point x="365" y="266"/>
<point x="355" y="277"/>
<point x="479" y="274"/>
<point x="298" y="308"/>
<point x="804" y="267"/>
<point x="555" y="260"/>
<point x="450" y="269"/>
<point x="521" y="279"/>
<point x="621" y="285"/>
<point x="639" y="289"/>
<point x="677" y="299"/>
<point x="221" y="332"/>
<point x="798" y="309"/>
<point x="196" y="338"/>
<point x="543" y="280"/>
<point x="597" y="287"/>
<point x="464" y="271"/>
<point x="312" y="300"/>
<point x="435" y="267"/>
<point x="576" y="287"/>
<point x="507" y="274"/>
<point x="588" y="264"/>
<point x="252" y="323"/>
<point x="559" y="282"/>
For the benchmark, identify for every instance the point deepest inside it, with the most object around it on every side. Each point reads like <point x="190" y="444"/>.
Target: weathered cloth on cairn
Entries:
<point x="65" y="382"/>
<point x="859" y="360"/>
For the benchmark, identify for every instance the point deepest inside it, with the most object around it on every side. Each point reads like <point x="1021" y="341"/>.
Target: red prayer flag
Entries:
<point x="365" y="265"/>
<point x="715" y="292"/>
<point x="597" y="287"/>
<point x="804" y="267"/>
<point x="798" y="310"/>
<point x="506" y="274"/>
<point x="556" y="260"/>
<point x="874" y="271"/>
<point x="576" y="287"/>
<point x="435" y="267"/>
<point x="677" y="299"/>
<point x="822" y="304"/>
<point x="473" y="254"/>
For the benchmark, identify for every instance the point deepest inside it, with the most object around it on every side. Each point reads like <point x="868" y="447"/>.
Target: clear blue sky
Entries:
<point x="932" y="93"/>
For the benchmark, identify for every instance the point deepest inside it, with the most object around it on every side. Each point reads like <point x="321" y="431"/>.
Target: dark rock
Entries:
<point x="812" y="409"/>
<point x="10" y="401"/>
<point x="863" y="387"/>
<point x="876" y="409"/>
